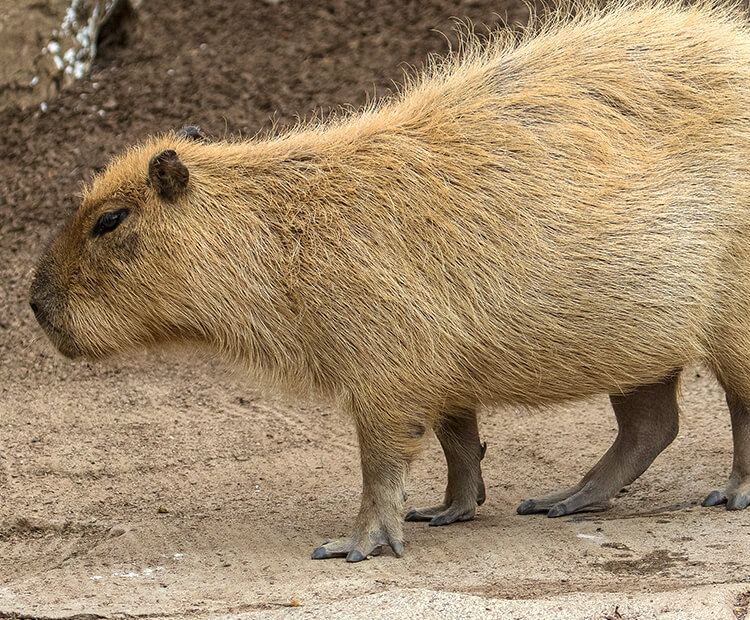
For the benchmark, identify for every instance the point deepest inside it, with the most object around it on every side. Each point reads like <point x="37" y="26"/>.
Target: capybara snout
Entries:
<point x="46" y="299"/>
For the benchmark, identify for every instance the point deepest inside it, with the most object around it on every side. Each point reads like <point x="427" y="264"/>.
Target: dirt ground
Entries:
<point x="160" y="486"/>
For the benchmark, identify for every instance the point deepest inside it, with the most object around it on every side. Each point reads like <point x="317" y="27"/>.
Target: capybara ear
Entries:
<point x="167" y="175"/>
<point x="190" y="131"/>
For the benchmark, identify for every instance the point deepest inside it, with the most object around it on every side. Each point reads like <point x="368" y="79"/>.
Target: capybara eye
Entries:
<point x="108" y="221"/>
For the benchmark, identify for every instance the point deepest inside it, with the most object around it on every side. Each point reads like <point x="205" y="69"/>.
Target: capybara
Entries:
<point x="530" y="220"/>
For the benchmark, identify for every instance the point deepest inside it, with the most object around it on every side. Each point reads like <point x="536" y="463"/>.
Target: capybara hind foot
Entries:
<point x="543" y="504"/>
<point x="361" y="545"/>
<point x="647" y="419"/>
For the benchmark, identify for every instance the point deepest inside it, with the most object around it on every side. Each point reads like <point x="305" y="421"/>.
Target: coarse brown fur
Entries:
<point x="531" y="220"/>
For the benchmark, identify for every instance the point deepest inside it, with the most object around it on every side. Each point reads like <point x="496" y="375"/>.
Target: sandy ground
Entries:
<point x="159" y="487"/>
<point x="162" y="486"/>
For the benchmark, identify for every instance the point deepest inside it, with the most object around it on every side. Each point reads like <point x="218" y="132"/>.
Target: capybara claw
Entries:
<point x="528" y="507"/>
<point x="558" y="510"/>
<point x="398" y="548"/>
<point x="733" y="496"/>
<point x="454" y="514"/>
<point x="561" y="504"/>
<point x="332" y="549"/>
<point x="418" y="514"/>
<point x="355" y="556"/>
<point x="425" y="514"/>
<point x="740" y="501"/>
<point x="714" y="498"/>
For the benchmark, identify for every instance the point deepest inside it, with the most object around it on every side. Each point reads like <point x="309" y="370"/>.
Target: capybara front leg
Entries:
<point x="459" y="436"/>
<point x="385" y="451"/>
<point x="736" y="494"/>
<point x="648" y="419"/>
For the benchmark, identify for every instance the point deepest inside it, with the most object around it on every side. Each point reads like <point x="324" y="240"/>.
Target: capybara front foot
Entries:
<point x="735" y="496"/>
<point x="360" y="546"/>
<point x="378" y="525"/>
<point x="444" y="514"/>
<point x="533" y="506"/>
<point x="454" y="509"/>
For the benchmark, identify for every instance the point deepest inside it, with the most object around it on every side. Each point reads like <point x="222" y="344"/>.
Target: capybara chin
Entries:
<point x="529" y="221"/>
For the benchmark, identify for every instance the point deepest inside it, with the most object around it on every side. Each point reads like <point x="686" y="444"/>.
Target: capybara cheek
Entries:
<point x="128" y="248"/>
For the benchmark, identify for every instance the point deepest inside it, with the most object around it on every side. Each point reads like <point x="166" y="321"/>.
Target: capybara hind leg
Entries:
<point x="736" y="494"/>
<point x="459" y="436"/>
<point x="385" y="451"/>
<point x="648" y="419"/>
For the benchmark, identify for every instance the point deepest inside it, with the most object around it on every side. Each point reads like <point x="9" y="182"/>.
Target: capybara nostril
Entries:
<point x="40" y="313"/>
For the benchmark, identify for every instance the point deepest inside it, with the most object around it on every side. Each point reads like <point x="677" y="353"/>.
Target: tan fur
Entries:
<point x="530" y="221"/>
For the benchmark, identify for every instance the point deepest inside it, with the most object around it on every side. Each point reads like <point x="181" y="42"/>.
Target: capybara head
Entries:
<point x="117" y="277"/>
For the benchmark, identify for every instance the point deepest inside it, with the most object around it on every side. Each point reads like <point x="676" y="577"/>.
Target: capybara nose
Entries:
<point x="38" y="309"/>
<point x="39" y="294"/>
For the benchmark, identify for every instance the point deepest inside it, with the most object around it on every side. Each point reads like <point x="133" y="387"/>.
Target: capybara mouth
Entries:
<point x="62" y="341"/>
<point x="69" y="350"/>
<point x="59" y="338"/>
